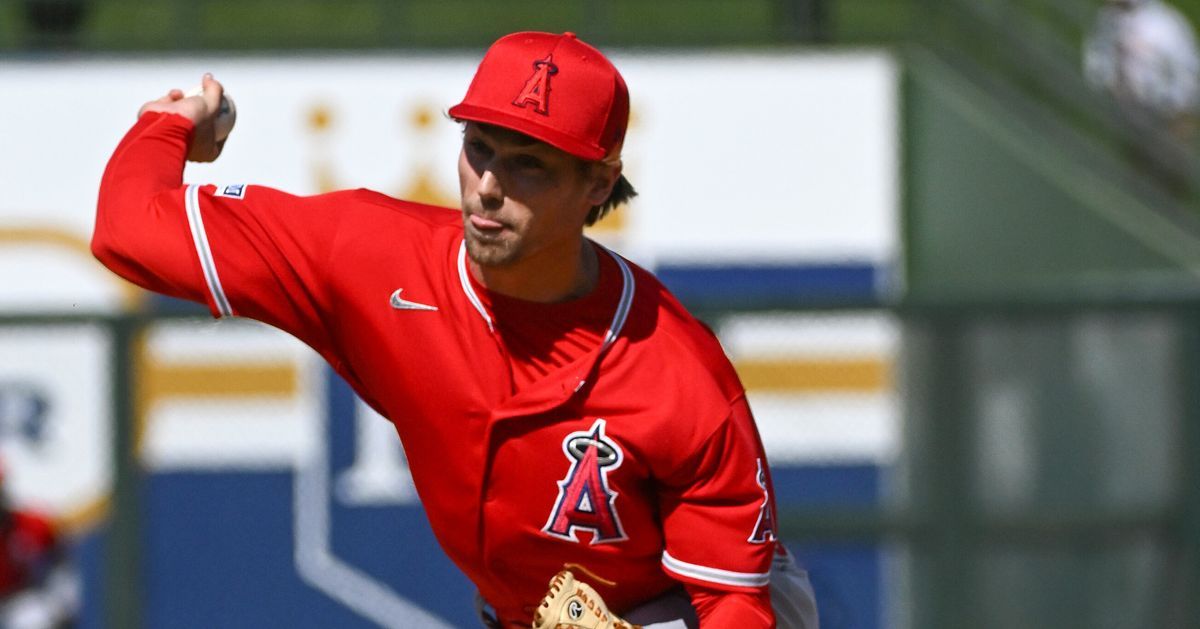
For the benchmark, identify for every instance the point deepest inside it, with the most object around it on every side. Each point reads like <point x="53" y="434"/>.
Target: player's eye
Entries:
<point x="479" y="147"/>
<point x="528" y="162"/>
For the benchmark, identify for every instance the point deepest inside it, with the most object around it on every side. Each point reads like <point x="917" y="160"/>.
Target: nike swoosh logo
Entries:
<point x="399" y="303"/>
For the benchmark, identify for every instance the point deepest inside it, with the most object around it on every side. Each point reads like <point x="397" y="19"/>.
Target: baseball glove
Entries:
<point x="572" y="604"/>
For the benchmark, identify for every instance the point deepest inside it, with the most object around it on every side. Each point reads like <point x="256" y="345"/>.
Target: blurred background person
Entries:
<point x="1143" y="52"/>
<point x="38" y="585"/>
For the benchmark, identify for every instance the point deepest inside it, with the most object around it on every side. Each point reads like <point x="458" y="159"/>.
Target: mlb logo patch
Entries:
<point x="233" y="191"/>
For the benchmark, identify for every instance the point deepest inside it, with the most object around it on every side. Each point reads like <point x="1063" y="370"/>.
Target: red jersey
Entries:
<point x="637" y="460"/>
<point x="29" y="548"/>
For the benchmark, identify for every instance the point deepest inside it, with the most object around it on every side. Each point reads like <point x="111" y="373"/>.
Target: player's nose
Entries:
<point x="491" y="193"/>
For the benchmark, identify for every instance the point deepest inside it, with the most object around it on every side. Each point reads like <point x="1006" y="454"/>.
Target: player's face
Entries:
<point x="521" y="197"/>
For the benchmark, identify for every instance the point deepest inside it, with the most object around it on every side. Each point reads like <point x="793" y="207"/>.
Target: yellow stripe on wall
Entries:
<point x="218" y="380"/>
<point x="83" y="519"/>
<point x="131" y="296"/>
<point x="866" y="375"/>
<point x="158" y="381"/>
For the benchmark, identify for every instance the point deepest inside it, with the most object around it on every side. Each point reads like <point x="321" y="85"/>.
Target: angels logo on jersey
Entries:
<point x="764" y="528"/>
<point x="585" y="501"/>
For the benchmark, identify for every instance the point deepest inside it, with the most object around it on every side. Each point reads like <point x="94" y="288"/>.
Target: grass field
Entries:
<point x="254" y="25"/>
<point x="128" y="25"/>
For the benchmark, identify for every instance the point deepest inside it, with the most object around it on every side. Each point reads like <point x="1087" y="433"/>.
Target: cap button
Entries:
<point x="570" y="34"/>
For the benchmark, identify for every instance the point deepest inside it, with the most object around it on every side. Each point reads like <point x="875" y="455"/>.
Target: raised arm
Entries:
<point x="242" y="250"/>
<point x="133" y="223"/>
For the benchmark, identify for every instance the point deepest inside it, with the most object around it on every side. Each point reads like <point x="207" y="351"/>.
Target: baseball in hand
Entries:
<point x="223" y="124"/>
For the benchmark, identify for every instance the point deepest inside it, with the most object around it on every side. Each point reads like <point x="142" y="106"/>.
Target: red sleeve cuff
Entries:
<point x="742" y="610"/>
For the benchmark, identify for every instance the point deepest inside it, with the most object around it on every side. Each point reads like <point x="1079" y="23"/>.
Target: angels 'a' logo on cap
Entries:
<point x="537" y="87"/>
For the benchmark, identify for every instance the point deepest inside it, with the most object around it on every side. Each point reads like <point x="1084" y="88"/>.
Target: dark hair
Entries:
<point x="622" y="192"/>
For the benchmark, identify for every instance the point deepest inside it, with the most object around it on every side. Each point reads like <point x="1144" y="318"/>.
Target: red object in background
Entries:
<point x="29" y="546"/>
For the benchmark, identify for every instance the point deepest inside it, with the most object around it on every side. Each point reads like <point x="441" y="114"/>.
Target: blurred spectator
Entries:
<point x="38" y="586"/>
<point x="1144" y="53"/>
<point x="54" y="24"/>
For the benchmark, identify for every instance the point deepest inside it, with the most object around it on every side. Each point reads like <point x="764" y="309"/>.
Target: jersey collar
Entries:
<point x="619" y="315"/>
<point x="548" y="395"/>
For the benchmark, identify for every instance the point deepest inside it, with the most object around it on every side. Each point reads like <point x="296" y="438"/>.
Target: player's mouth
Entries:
<point x="485" y="229"/>
<point x="484" y="224"/>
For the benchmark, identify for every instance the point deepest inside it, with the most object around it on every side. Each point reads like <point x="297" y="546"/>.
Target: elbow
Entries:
<point x="103" y="247"/>
<point x="116" y="256"/>
<point x="111" y="248"/>
<point x="115" y="233"/>
<point x="103" y="244"/>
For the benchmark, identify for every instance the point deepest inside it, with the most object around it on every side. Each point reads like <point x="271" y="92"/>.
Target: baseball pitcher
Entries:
<point x="581" y="444"/>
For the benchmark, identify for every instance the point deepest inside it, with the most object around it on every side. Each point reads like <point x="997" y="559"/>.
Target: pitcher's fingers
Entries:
<point x="212" y="92"/>
<point x="165" y="99"/>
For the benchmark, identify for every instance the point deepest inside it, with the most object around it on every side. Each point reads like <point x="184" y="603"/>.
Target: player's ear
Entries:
<point x="602" y="177"/>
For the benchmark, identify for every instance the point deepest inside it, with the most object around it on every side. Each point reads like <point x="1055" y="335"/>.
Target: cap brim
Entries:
<point x="531" y="128"/>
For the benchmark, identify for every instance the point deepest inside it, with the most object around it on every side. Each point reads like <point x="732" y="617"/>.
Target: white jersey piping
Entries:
<point x="465" y="280"/>
<point x="624" y="306"/>
<point x="200" y="240"/>
<point x="715" y="575"/>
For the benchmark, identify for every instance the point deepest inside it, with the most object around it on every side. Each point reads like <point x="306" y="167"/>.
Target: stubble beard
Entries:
<point x="492" y="253"/>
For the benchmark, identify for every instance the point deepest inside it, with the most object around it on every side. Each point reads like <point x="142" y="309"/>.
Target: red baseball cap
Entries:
<point x="554" y="88"/>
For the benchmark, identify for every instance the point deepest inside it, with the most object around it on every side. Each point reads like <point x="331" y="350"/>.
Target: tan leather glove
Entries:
<point x="572" y="604"/>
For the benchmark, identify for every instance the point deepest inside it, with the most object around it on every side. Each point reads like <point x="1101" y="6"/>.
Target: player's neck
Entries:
<point x="552" y="275"/>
